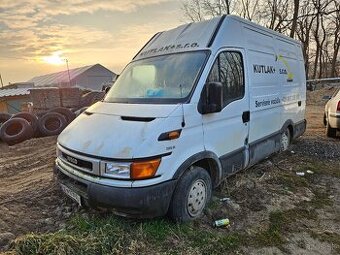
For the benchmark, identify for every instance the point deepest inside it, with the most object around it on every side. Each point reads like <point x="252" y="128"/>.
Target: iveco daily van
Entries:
<point x="197" y="103"/>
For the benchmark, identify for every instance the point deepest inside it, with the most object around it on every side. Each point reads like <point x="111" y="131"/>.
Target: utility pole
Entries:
<point x="2" y="84"/>
<point x="68" y="71"/>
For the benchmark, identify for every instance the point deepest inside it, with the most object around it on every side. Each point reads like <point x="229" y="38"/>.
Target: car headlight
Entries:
<point x="118" y="170"/>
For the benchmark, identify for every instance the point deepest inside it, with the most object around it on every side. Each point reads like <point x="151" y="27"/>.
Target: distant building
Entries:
<point x="19" y="85"/>
<point x="92" y="77"/>
<point x="14" y="100"/>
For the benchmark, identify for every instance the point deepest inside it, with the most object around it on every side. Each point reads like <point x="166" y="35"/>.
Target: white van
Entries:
<point x="198" y="103"/>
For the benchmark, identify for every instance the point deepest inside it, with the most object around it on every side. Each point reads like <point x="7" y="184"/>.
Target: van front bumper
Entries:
<point x="141" y="202"/>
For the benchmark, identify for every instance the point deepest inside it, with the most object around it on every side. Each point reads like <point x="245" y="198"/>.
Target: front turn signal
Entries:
<point x="144" y="169"/>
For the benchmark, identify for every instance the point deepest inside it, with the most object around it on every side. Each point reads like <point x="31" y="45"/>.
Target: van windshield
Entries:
<point x="161" y="79"/>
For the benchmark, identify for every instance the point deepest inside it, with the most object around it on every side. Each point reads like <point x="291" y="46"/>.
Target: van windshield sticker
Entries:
<point x="170" y="47"/>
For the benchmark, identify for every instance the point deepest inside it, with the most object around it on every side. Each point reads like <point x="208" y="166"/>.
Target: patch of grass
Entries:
<point x="291" y="182"/>
<point x="113" y="235"/>
<point x="320" y="200"/>
<point x="272" y="236"/>
<point x="321" y="168"/>
<point x="279" y="223"/>
<point x="329" y="237"/>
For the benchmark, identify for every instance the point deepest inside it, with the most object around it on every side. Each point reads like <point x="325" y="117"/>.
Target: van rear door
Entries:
<point x="226" y="132"/>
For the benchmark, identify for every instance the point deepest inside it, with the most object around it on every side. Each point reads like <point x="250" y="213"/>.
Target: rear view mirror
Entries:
<point x="326" y="97"/>
<point x="212" y="98"/>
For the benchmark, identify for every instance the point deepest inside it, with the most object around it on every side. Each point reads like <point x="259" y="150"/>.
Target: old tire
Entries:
<point x="16" y="130"/>
<point x="52" y="123"/>
<point x="80" y="111"/>
<point x="330" y="132"/>
<point x="68" y="114"/>
<point x="192" y="193"/>
<point x="40" y="114"/>
<point x="324" y="120"/>
<point x="285" y="140"/>
<point x="4" y="117"/>
<point x="32" y="119"/>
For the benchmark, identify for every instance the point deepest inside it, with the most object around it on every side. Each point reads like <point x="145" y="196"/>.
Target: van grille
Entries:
<point x="77" y="162"/>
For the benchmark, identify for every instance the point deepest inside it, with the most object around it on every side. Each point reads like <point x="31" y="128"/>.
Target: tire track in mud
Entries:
<point x="30" y="199"/>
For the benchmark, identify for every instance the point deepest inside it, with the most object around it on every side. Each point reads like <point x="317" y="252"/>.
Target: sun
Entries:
<point x="54" y="59"/>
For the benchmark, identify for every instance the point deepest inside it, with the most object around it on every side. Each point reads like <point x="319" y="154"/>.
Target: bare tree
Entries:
<point x="295" y="17"/>
<point x="316" y="23"/>
<point x="274" y="14"/>
<point x="193" y="10"/>
<point x="335" y="31"/>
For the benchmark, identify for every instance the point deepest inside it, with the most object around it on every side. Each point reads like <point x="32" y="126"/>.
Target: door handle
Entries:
<point x="246" y="116"/>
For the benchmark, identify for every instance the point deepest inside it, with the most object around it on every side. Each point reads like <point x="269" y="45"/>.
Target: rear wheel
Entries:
<point x="191" y="195"/>
<point x="285" y="140"/>
<point x="324" y="120"/>
<point x="330" y="132"/>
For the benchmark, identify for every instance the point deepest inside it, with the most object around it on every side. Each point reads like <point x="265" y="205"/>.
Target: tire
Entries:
<point x="52" y="123"/>
<point x="16" y="130"/>
<point x="188" y="204"/>
<point x="68" y="114"/>
<point x="324" y="120"/>
<point x="80" y="111"/>
<point x="40" y="114"/>
<point x="4" y="117"/>
<point x="32" y="119"/>
<point x="286" y="139"/>
<point x="330" y="132"/>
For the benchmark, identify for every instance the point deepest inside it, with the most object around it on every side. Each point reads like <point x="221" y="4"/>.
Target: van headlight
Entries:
<point x="118" y="170"/>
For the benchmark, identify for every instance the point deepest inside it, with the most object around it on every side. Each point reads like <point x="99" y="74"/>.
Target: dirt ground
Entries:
<point x="30" y="200"/>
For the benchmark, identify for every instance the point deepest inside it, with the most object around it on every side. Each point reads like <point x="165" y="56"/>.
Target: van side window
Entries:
<point x="228" y="69"/>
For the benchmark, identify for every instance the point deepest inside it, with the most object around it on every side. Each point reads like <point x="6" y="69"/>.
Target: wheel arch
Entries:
<point x="290" y="125"/>
<point x="205" y="159"/>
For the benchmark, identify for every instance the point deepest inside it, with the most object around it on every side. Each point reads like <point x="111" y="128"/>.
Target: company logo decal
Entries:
<point x="72" y="160"/>
<point x="263" y="69"/>
<point x="290" y="75"/>
<point x="169" y="48"/>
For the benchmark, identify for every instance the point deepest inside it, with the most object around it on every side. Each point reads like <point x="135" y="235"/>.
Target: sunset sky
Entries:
<point x="37" y="35"/>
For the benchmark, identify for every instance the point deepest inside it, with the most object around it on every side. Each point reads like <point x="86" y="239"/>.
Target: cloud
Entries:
<point x="25" y="14"/>
<point x="30" y="28"/>
<point x="39" y="41"/>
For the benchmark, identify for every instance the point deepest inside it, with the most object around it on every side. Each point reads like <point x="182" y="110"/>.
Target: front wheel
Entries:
<point x="285" y="140"/>
<point x="191" y="195"/>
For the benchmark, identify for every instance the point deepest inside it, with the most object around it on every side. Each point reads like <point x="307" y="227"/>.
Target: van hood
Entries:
<point x="133" y="110"/>
<point x="104" y="131"/>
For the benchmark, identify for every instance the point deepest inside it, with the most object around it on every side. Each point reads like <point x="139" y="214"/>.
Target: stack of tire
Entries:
<point x="23" y="125"/>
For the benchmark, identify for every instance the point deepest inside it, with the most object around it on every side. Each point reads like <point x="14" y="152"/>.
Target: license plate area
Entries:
<point x="71" y="194"/>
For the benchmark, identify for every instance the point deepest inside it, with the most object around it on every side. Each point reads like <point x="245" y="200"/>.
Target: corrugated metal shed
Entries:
<point x="14" y="92"/>
<point x="13" y="100"/>
<point x="57" y="78"/>
<point x="87" y="77"/>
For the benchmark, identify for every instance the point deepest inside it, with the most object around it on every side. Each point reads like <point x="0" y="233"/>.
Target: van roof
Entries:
<point x="194" y="36"/>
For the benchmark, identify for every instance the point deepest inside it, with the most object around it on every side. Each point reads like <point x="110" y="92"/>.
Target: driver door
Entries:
<point x="226" y="132"/>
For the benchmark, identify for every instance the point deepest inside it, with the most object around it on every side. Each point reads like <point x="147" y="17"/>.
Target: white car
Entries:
<point x="197" y="104"/>
<point x="332" y="114"/>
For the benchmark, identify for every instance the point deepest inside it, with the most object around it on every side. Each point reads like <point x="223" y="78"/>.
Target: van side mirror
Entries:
<point x="212" y="98"/>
